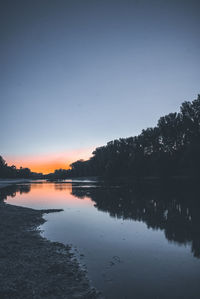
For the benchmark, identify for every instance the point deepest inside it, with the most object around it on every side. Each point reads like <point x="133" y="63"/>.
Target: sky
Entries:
<point x="77" y="74"/>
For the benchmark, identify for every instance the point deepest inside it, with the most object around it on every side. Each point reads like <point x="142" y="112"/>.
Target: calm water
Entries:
<point x="136" y="242"/>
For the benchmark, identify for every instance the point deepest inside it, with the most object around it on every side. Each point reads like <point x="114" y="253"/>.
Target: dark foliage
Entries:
<point x="12" y="172"/>
<point x="170" y="149"/>
<point x="58" y="174"/>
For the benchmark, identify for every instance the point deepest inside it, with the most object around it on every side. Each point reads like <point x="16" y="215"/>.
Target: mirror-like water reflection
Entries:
<point x="137" y="242"/>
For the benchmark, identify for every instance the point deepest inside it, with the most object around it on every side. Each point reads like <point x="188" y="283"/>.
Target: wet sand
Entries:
<point x="33" y="267"/>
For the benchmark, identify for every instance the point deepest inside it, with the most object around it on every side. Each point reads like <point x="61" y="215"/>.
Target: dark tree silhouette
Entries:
<point x="12" y="172"/>
<point x="58" y="174"/>
<point x="170" y="149"/>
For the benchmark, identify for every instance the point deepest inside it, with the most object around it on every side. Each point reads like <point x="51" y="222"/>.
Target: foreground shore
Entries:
<point x="33" y="267"/>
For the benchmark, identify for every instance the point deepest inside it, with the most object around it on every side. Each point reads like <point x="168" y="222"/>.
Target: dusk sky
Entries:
<point x="77" y="74"/>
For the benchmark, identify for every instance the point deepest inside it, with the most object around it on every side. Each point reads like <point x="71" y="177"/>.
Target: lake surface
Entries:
<point x="136" y="242"/>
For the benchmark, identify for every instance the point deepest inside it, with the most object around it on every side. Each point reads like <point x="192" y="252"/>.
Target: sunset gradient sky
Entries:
<point x="77" y="74"/>
<point x="49" y="162"/>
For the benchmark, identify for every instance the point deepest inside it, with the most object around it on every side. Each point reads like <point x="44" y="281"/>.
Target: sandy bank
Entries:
<point x="33" y="267"/>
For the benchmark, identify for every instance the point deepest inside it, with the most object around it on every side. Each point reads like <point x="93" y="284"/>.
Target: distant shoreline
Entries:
<point x="7" y="182"/>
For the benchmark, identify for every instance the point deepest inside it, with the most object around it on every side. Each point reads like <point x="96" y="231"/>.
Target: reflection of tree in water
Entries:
<point x="12" y="191"/>
<point x="61" y="186"/>
<point x="174" y="210"/>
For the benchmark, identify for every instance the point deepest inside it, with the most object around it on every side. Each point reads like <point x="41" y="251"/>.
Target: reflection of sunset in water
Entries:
<point x="43" y="195"/>
<point x="129" y="235"/>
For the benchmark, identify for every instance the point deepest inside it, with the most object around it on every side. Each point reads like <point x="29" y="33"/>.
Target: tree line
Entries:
<point x="14" y="172"/>
<point x="172" y="148"/>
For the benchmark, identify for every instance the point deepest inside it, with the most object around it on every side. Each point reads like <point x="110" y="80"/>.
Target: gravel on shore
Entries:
<point x="33" y="267"/>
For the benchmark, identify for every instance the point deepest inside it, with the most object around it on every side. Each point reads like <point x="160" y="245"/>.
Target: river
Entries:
<point x="135" y="242"/>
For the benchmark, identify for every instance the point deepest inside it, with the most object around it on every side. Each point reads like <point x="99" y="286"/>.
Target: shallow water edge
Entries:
<point x="32" y="266"/>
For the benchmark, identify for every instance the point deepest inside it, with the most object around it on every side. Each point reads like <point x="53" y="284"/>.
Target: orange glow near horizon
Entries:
<point x="49" y="162"/>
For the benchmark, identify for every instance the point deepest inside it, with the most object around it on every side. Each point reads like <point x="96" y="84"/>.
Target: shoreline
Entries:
<point x="34" y="267"/>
